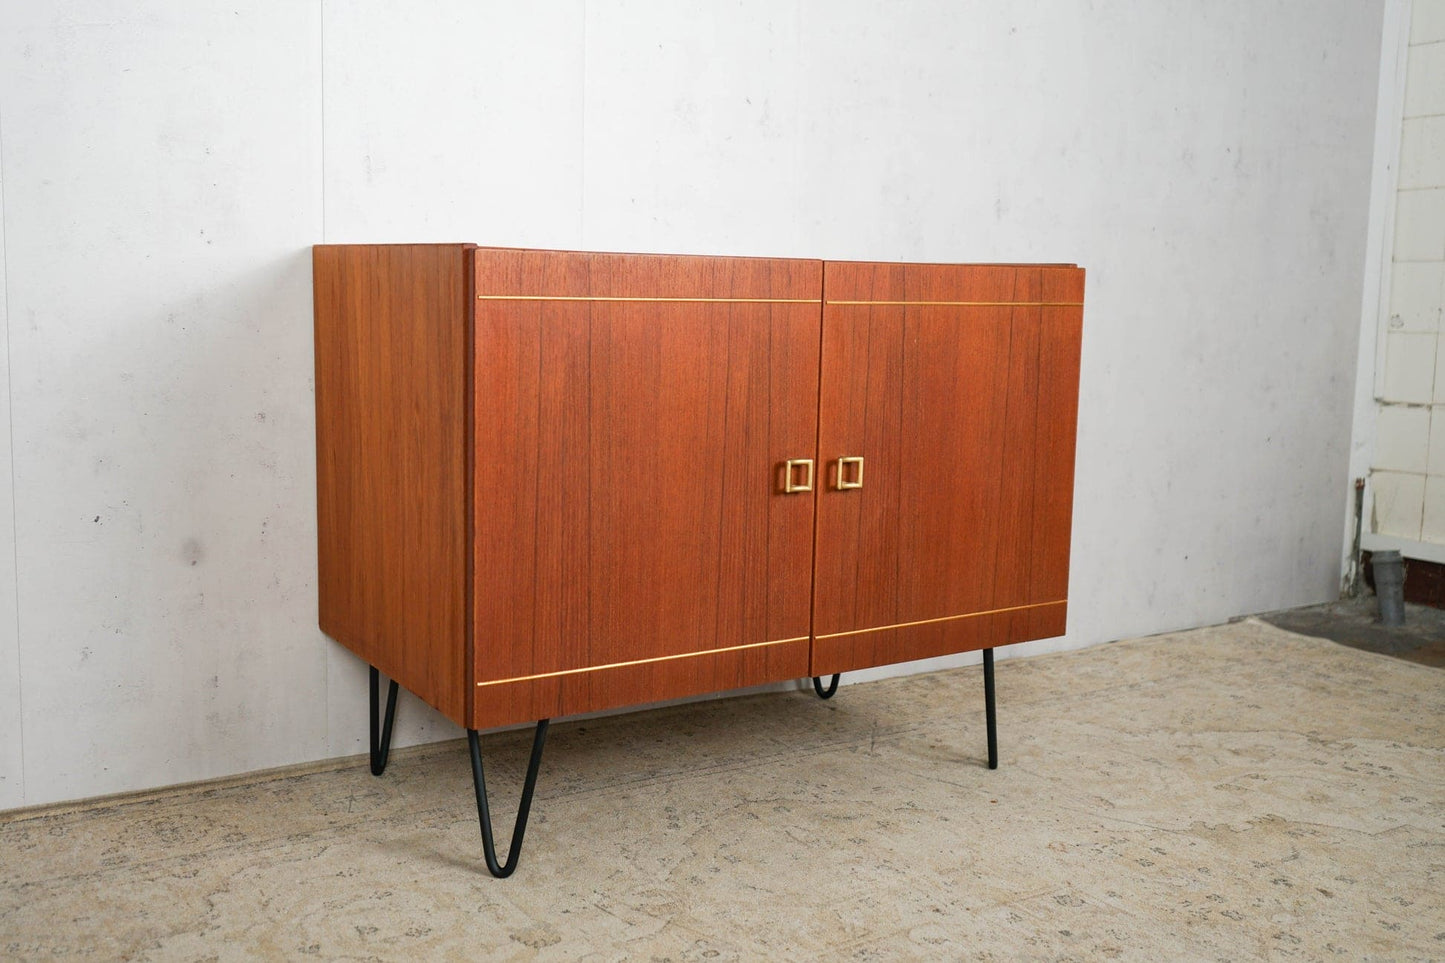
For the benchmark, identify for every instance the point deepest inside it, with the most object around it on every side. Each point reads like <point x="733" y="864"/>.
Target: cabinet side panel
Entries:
<point x="338" y="425"/>
<point x="391" y="337"/>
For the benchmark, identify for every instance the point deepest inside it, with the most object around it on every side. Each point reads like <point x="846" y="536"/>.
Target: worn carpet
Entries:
<point x="1234" y="792"/>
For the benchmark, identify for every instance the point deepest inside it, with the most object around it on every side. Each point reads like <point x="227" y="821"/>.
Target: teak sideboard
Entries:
<point x="559" y="482"/>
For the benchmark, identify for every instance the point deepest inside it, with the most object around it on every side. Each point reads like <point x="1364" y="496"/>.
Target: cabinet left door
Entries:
<point x="632" y="538"/>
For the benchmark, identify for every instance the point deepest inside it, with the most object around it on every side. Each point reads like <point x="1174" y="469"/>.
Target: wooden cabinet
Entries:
<point x="554" y="482"/>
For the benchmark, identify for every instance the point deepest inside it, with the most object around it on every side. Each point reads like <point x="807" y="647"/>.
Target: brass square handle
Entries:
<point x="790" y="475"/>
<point x="849" y="473"/>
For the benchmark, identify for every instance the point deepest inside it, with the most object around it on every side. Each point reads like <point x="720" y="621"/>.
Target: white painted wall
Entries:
<point x="162" y="177"/>
<point x="165" y="166"/>
<point x="12" y="760"/>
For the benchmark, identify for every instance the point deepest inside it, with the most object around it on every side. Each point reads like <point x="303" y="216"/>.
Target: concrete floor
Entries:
<point x="1356" y="623"/>
<point x="1234" y="792"/>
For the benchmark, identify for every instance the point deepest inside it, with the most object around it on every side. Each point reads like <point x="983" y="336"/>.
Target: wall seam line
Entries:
<point x="582" y="160"/>
<point x="329" y="748"/>
<point x="321" y="62"/>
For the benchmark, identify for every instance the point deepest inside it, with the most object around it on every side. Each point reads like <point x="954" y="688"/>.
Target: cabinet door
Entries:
<point x="957" y="386"/>
<point x="631" y="541"/>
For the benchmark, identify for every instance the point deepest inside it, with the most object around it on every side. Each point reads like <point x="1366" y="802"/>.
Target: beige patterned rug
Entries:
<point x="1235" y="792"/>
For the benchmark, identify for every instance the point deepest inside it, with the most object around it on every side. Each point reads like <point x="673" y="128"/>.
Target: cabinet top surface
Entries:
<point x="720" y="257"/>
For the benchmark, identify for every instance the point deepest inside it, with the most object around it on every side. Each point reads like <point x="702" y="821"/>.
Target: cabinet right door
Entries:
<point x="949" y="397"/>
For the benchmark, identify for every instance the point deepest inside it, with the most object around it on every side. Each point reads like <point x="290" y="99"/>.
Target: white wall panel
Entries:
<point x="1224" y="157"/>
<point x="692" y="128"/>
<point x="941" y="131"/>
<point x="161" y="165"/>
<point x="12" y="773"/>
<point x="454" y="121"/>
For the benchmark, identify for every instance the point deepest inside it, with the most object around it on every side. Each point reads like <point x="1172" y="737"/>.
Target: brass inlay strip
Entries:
<point x="558" y="297"/>
<point x="956" y="304"/>
<point x="946" y="618"/>
<point x="974" y="304"/>
<point x="660" y="658"/>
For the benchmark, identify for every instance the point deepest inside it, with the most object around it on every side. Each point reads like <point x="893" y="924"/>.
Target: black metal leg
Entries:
<point x="832" y="686"/>
<point x="989" y="708"/>
<point x="381" y="740"/>
<point x="484" y="815"/>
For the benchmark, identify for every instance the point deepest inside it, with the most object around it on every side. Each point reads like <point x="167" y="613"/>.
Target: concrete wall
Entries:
<point x="165" y="166"/>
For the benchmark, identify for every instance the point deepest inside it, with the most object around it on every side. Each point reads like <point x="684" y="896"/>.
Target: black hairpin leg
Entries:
<point x="990" y="711"/>
<point x="381" y="734"/>
<point x="484" y="815"/>
<point x="832" y="686"/>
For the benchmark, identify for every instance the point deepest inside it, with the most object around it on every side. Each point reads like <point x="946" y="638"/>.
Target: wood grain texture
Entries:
<point x="959" y="388"/>
<point x="1013" y="555"/>
<point x="905" y="643"/>
<point x="550" y="482"/>
<point x="391" y="330"/>
<point x="610" y="687"/>
<point x="624" y="505"/>
<point x="1060" y="341"/>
